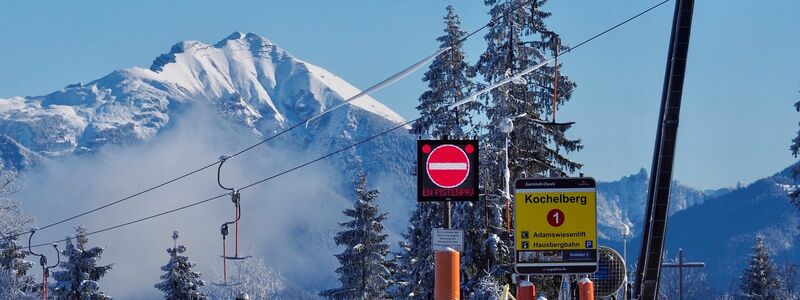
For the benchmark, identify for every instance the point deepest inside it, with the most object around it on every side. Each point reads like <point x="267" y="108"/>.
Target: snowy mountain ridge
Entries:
<point x="249" y="79"/>
<point x="254" y="90"/>
<point x="621" y="203"/>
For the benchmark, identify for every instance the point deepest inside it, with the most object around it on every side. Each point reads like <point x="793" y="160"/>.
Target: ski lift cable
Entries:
<point x="474" y="96"/>
<point x="243" y="188"/>
<point x="152" y="188"/>
<point x="139" y="220"/>
<point x="329" y="154"/>
<point x="376" y="87"/>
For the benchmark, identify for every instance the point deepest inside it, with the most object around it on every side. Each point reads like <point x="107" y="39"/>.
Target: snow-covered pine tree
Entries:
<point x="12" y="218"/>
<point x="251" y="276"/>
<point x="11" y="290"/>
<point x="517" y="40"/>
<point x="415" y="274"/>
<point x="16" y="283"/>
<point x="13" y="263"/>
<point x="486" y="288"/>
<point x="179" y="281"/>
<point x="80" y="272"/>
<point x="449" y="80"/>
<point x="760" y="279"/>
<point x="795" y="147"/>
<point x="363" y="273"/>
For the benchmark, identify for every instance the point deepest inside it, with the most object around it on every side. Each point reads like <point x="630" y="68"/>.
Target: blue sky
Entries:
<point x="736" y="122"/>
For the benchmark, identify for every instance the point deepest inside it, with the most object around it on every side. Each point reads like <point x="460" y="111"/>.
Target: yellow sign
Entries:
<point x="556" y="226"/>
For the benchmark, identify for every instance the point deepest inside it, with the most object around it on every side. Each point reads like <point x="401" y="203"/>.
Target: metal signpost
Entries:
<point x="447" y="171"/>
<point x="555" y="226"/>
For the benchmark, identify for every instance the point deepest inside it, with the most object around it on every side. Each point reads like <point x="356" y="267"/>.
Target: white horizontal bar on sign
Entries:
<point x="562" y="190"/>
<point x="556" y="264"/>
<point x="447" y="166"/>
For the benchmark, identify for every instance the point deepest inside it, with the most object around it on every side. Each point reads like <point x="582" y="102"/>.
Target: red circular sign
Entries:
<point x="555" y="217"/>
<point x="447" y="166"/>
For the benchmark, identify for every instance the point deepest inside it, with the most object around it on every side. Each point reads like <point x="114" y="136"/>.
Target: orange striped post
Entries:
<point x="526" y="290"/>
<point x="447" y="282"/>
<point x="586" y="289"/>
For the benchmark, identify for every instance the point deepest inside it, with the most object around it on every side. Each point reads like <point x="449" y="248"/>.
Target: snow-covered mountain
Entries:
<point x="722" y="230"/>
<point x="717" y="227"/>
<point x="250" y="81"/>
<point x="260" y="89"/>
<point x="622" y="202"/>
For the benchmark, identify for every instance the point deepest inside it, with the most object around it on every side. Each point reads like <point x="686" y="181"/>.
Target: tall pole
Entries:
<point x="507" y="188"/>
<point x="626" y="232"/>
<point x="648" y="270"/>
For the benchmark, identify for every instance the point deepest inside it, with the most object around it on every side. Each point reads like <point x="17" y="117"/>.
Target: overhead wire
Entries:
<point x="374" y="88"/>
<point x="324" y="156"/>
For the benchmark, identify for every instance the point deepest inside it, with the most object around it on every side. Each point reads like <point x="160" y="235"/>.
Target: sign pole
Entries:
<point x="447" y="171"/>
<point x="446" y="204"/>
<point x="447" y="209"/>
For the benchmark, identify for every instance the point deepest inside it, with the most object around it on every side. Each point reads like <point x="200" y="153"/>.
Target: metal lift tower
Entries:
<point x="648" y="268"/>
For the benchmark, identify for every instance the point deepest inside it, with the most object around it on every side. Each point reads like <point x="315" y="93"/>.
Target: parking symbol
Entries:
<point x="589" y="244"/>
<point x="524" y="245"/>
<point x="524" y="234"/>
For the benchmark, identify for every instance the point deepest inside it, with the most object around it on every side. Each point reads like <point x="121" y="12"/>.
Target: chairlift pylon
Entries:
<point x="236" y="199"/>
<point x="43" y="263"/>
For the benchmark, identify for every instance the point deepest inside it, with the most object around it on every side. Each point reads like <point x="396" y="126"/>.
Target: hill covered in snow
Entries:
<point x="71" y="138"/>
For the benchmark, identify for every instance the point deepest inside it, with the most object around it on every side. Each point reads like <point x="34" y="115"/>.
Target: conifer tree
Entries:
<point x="414" y="279"/>
<point x="251" y="276"/>
<point x="517" y="40"/>
<point x="80" y="272"/>
<point x="487" y="288"/>
<point x="179" y="281"/>
<point x="760" y="279"/>
<point x="795" y="147"/>
<point x="363" y="273"/>
<point x="11" y="289"/>
<point x="449" y="80"/>
<point x="12" y="261"/>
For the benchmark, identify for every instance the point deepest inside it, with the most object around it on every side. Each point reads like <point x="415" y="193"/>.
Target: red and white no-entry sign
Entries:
<point x="447" y="170"/>
<point x="447" y="166"/>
